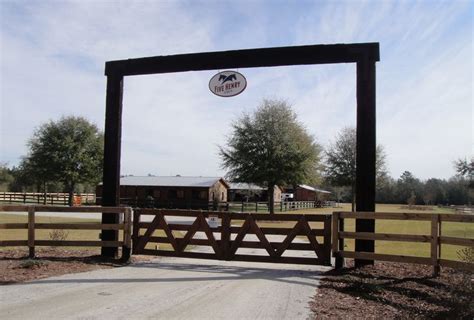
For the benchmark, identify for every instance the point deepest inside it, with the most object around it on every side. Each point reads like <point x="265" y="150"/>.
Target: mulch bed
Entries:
<point x="15" y="266"/>
<point x="394" y="291"/>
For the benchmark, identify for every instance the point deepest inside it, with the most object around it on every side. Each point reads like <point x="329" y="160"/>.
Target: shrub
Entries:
<point x="58" y="235"/>
<point x="31" y="263"/>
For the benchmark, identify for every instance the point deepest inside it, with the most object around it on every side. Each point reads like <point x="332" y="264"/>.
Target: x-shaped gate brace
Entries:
<point x="225" y="248"/>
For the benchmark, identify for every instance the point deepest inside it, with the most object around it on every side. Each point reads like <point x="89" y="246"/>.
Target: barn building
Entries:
<point x="251" y="192"/>
<point x="307" y="193"/>
<point x="171" y="191"/>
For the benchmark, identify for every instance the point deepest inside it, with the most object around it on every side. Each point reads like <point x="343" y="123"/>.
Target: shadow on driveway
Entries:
<point x="170" y="272"/>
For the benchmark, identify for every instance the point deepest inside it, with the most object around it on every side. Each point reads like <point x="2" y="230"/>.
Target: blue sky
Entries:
<point x="53" y="53"/>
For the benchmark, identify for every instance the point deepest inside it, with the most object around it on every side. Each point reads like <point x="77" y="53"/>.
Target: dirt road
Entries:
<point x="168" y="288"/>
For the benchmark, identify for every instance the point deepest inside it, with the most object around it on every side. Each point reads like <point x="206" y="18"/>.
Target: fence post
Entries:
<point x="256" y="206"/>
<point x="435" y="243"/>
<point x="31" y="231"/>
<point x="327" y="240"/>
<point x="338" y="243"/>
<point x="126" y="248"/>
<point x="225" y="235"/>
<point x="24" y="197"/>
<point x="281" y="206"/>
<point x="136" y="229"/>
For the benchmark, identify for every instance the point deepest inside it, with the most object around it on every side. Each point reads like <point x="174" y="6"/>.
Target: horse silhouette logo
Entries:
<point x="230" y="77"/>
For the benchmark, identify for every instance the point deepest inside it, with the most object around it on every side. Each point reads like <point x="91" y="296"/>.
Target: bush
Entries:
<point x="58" y="235"/>
<point x="31" y="264"/>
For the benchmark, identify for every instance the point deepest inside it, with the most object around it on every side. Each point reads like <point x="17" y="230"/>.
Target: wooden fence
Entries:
<point x="244" y="206"/>
<point x="32" y="226"/>
<point x="435" y="238"/>
<point x="225" y="233"/>
<point x="45" y="199"/>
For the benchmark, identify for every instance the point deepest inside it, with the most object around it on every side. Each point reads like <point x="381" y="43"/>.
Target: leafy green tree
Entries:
<point x="340" y="168"/>
<point x="408" y="187"/>
<point x="269" y="148"/>
<point x="385" y="189"/>
<point x="434" y="191"/>
<point x="6" y="177"/>
<point x="69" y="151"/>
<point x="456" y="191"/>
<point x="465" y="169"/>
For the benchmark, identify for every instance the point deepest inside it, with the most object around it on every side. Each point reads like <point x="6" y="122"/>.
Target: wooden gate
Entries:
<point x="281" y="238"/>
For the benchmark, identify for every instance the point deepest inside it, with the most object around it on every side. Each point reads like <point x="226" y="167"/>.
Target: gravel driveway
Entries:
<point x="168" y="288"/>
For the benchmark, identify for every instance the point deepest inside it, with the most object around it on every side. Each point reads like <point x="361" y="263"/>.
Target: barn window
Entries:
<point x="180" y="194"/>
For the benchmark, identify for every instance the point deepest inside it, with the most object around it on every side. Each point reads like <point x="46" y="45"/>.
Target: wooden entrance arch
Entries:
<point x="365" y="55"/>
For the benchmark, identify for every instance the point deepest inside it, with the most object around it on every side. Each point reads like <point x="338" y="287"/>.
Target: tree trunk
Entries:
<point x="271" y="198"/>
<point x="71" y="195"/>
<point x="45" y="192"/>
<point x="353" y="197"/>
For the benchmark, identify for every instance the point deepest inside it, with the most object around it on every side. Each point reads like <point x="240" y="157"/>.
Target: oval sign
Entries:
<point x="227" y="83"/>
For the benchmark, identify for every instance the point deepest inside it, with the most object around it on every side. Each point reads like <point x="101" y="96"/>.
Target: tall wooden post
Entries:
<point x="366" y="150"/>
<point x="112" y="146"/>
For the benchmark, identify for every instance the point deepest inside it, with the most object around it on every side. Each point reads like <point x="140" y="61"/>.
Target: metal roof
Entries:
<point x="170" y="181"/>
<point x="248" y="186"/>
<point x="244" y="186"/>
<point x="304" y="186"/>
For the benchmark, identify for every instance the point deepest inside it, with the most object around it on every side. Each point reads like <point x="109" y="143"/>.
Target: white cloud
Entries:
<point x="53" y="54"/>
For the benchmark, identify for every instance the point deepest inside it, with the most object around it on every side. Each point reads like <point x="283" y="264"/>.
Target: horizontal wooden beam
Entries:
<point x="13" y="225"/>
<point x="78" y="243"/>
<point x="79" y="226"/>
<point x="457" y="241"/>
<point x="82" y="209"/>
<point x="383" y="257"/>
<point x="456" y="217"/>
<point x="249" y="58"/>
<point x="243" y="244"/>
<point x="384" y="236"/>
<point x="237" y="257"/>
<point x="13" y="243"/>
<point x="386" y="215"/>
<point x="279" y="231"/>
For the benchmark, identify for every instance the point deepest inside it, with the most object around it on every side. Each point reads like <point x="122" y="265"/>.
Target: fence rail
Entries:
<point x="242" y="206"/>
<point x="435" y="238"/>
<point x="32" y="226"/>
<point x="46" y="199"/>
<point x="229" y="232"/>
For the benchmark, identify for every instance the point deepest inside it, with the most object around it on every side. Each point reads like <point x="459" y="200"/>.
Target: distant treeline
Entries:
<point x="408" y="189"/>
<point x="17" y="180"/>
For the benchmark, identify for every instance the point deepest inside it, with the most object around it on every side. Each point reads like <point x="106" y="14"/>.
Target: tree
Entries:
<point x="466" y="170"/>
<point x="6" y="177"/>
<point x="69" y="151"/>
<point x="270" y="148"/>
<point x="434" y="191"/>
<point x="340" y="169"/>
<point x="409" y="187"/>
